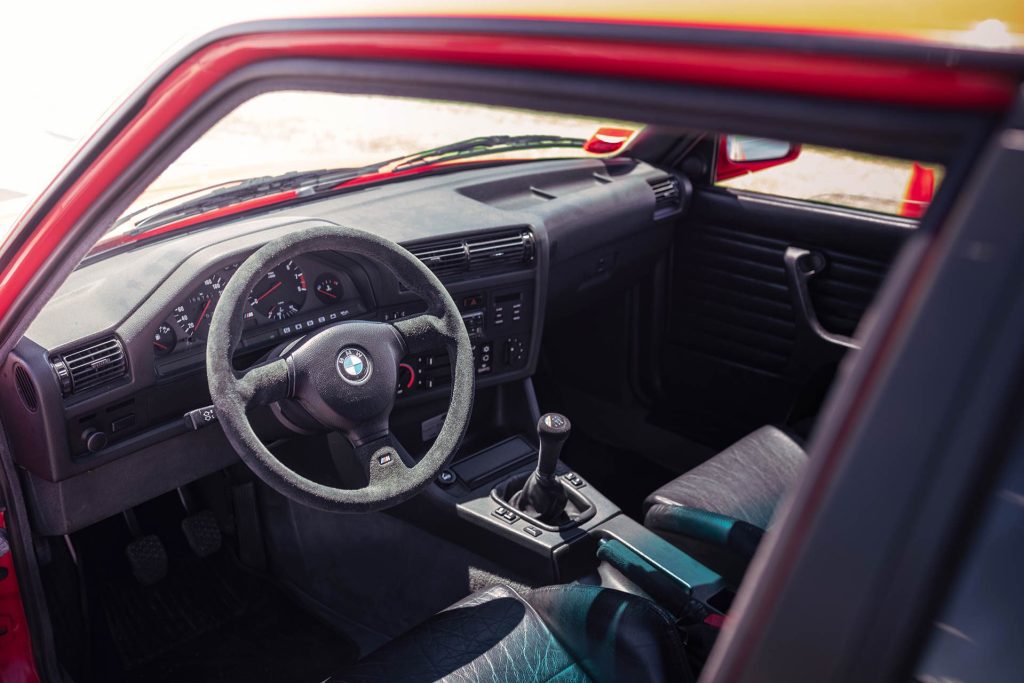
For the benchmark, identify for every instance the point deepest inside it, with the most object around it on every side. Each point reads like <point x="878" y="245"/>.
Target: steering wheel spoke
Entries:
<point x="423" y="333"/>
<point x="382" y="459"/>
<point x="264" y="384"/>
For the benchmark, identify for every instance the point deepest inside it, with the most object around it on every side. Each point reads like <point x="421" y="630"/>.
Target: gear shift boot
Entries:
<point x="542" y="496"/>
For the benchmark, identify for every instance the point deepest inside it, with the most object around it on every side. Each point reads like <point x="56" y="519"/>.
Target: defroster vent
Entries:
<point x="90" y="366"/>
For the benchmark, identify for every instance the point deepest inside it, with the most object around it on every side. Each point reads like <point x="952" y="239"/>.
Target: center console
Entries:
<point x="562" y="528"/>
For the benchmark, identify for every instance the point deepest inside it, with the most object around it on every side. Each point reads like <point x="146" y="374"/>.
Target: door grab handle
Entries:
<point x="801" y="266"/>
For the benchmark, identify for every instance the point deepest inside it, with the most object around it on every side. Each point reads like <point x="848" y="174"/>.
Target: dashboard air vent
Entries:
<point x="90" y="366"/>
<point x="667" y="197"/>
<point x="491" y="252"/>
<point x="477" y="254"/>
<point x="26" y="389"/>
<point x="444" y="258"/>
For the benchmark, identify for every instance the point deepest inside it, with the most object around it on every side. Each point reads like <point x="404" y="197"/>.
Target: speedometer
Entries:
<point x="281" y="293"/>
<point x="193" y="316"/>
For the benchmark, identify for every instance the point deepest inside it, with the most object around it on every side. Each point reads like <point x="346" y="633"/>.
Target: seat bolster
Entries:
<point x="745" y="481"/>
<point x="492" y="634"/>
<point x="614" y="636"/>
<point x="559" y="634"/>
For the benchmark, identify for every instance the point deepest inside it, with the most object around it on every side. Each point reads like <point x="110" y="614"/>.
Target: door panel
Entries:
<point x="738" y="352"/>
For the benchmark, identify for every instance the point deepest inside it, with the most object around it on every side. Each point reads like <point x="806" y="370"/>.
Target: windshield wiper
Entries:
<point x="227" y="194"/>
<point x="490" y="144"/>
<point x="471" y="147"/>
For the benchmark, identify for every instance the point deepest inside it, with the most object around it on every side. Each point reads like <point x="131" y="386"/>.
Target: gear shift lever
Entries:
<point x="543" y="495"/>
<point x="552" y="431"/>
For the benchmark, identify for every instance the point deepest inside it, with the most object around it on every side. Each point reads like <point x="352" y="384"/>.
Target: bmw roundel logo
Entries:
<point x="354" y="365"/>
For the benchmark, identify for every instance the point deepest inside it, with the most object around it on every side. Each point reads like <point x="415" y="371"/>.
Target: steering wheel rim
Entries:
<point x="294" y="376"/>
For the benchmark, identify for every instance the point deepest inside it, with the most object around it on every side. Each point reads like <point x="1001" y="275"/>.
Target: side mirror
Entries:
<point x="919" y="192"/>
<point x="607" y="140"/>
<point x="742" y="154"/>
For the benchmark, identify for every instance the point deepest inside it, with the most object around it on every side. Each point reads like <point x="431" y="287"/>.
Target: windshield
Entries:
<point x="285" y="132"/>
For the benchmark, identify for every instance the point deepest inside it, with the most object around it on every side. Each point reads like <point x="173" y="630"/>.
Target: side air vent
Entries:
<point x="26" y="389"/>
<point x="478" y="254"/>
<point x="667" y="196"/>
<point x="90" y="366"/>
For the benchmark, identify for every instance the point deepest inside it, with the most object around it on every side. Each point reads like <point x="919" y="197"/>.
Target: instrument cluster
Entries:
<point x="280" y="295"/>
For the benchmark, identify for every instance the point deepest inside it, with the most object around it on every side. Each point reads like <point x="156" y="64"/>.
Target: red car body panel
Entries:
<point x="16" y="662"/>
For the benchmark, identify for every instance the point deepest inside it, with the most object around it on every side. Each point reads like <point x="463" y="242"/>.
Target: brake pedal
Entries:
<point x="202" y="533"/>
<point x="148" y="559"/>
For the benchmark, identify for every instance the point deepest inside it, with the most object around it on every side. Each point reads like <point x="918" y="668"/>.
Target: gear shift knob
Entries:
<point x="553" y="431"/>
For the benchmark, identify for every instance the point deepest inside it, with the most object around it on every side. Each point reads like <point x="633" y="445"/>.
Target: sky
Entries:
<point x="65" y="64"/>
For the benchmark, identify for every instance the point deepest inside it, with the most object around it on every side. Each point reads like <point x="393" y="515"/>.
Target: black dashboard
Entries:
<point x="100" y="385"/>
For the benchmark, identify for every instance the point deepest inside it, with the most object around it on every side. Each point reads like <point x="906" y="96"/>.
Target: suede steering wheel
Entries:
<point x="343" y="375"/>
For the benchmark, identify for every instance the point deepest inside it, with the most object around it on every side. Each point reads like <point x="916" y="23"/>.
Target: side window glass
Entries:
<point x="826" y="175"/>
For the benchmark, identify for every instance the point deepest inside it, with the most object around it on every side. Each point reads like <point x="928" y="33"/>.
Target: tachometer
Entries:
<point x="281" y="293"/>
<point x="164" y="340"/>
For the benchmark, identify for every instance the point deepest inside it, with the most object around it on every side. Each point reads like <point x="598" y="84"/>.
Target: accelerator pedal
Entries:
<point x="148" y="559"/>
<point x="202" y="533"/>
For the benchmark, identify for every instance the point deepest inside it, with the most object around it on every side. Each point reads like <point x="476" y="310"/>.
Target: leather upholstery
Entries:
<point x="562" y="634"/>
<point x="745" y="481"/>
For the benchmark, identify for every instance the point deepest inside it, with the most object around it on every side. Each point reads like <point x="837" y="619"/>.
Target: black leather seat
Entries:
<point x="560" y="633"/>
<point x="718" y="510"/>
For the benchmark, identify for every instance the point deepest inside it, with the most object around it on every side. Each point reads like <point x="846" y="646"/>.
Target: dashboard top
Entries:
<point x="103" y="293"/>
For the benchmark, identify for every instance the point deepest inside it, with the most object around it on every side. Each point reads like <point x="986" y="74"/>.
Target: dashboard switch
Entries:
<point x="94" y="439"/>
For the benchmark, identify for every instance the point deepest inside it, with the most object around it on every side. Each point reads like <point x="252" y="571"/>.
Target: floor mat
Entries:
<point x="211" y="621"/>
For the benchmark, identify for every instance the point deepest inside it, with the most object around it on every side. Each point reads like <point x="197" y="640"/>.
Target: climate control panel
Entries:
<point x="499" y="324"/>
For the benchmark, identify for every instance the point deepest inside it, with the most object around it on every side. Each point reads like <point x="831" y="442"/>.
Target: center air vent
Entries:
<point x="444" y="258"/>
<point x="478" y="254"/>
<point x="494" y="251"/>
<point x="90" y="366"/>
<point x="667" y="197"/>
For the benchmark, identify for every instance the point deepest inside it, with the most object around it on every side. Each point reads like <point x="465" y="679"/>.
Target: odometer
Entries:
<point x="281" y="293"/>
